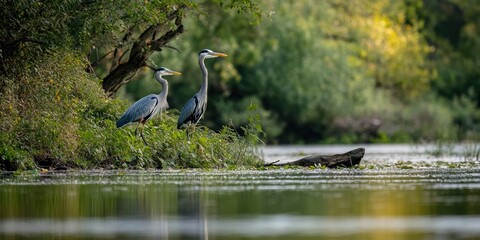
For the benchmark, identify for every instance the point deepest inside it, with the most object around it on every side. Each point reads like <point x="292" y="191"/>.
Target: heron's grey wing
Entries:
<point x="141" y="109"/>
<point x="187" y="111"/>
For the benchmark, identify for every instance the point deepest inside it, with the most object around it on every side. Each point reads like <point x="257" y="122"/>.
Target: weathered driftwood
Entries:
<point x="348" y="159"/>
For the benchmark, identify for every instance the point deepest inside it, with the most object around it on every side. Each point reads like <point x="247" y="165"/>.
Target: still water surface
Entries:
<point x="382" y="203"/>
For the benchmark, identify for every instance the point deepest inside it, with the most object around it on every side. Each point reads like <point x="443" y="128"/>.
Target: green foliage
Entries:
<point x="452" y="29"/>
<point x="425" y="120"/>
<point x="205" y="148"/>
<point x="30" y="28"/>
<point x="310" y="72"/>
<point x="56" y="115"/>
<point x="75" y="23"/>
<point x="333" y="71"/>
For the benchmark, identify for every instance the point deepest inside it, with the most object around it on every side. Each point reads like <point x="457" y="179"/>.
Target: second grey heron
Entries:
<point x="194" y="109"/>
<point x="148" y="106"/>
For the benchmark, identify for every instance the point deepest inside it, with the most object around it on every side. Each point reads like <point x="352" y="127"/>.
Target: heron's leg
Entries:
<point x="137" y="127"/>
<point x="188" y="132"/>
<point x="141" y="125"/>
<point x="145" y="142"/>
<point x="141" y="134"/>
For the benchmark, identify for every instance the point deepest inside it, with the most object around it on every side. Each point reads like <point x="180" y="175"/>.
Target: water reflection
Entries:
<point x="283" y="204"/>
<point x="271" y="226"/>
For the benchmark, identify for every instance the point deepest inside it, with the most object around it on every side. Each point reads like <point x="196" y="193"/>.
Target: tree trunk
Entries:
<point x="348" y="159"/>
<point x="154" y="38"/>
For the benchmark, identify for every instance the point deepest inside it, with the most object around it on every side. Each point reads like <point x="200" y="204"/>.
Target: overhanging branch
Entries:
<point x="142" y="48"/>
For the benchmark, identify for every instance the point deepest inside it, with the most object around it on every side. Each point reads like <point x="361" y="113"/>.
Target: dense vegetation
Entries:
<point x="54" y="112"/>
<point x="56" y="115"/>
<point x="308" y="71"/>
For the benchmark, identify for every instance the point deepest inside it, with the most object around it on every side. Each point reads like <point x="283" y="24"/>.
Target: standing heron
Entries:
<point x="148" y="106"/>
<point x="194" y="109"/>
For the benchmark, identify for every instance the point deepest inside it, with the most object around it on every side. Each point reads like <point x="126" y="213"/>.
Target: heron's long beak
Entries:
<point x="220" y="54"/>
<point x="175" y="73"/>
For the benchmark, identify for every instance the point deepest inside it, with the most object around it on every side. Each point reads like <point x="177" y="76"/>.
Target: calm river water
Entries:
<point x="425" y="201"/>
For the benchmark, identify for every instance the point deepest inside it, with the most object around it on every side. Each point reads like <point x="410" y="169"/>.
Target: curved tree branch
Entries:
<point x="142" y="48"/>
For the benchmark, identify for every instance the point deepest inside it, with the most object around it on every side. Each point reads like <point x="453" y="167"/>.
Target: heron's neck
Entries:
<point x="163" y="94"/>
<point x="204" y="87"/>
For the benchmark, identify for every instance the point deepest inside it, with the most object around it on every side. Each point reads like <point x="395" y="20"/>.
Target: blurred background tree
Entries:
<point x="452" y="31"/>
<point x="336" y="71"/>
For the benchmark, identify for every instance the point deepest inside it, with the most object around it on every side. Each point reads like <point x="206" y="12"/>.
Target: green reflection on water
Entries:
<point x="242" y="205"/>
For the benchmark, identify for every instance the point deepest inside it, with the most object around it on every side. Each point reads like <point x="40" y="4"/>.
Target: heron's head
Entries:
<point x="207" y="53"/>
<point x="162" y="71"/>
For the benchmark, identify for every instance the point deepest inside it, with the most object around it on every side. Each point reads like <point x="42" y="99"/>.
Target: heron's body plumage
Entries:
<point x="143" y="109"/>
<point x="148" y="106"/>
<point x="195" y="108"/>
<point x="192" y="112"/>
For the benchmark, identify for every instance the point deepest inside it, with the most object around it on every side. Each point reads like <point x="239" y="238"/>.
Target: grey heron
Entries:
<point x="194" y="109"/>
<point x="148" y="106"/>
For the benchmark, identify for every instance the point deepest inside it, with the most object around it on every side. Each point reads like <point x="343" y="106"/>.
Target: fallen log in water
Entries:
<point x="348" y="159"/>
